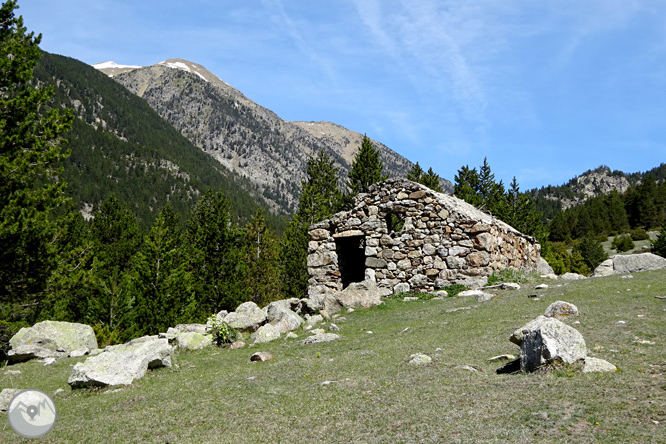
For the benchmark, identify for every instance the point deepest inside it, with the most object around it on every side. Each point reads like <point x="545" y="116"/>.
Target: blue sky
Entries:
<point x="544" y="89"/>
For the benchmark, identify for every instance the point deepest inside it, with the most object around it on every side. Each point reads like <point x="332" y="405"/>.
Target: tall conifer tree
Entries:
<point x="367" y="168"/>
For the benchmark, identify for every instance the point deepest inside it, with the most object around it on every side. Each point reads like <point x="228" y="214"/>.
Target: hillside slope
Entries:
<point x="120" y="145"/>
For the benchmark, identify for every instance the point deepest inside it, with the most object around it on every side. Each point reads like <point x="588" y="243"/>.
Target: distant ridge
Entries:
<point x="243" y="136"/>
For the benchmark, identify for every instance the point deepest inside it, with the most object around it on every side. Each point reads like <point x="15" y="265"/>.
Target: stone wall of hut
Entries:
<point x="408" y="237"/>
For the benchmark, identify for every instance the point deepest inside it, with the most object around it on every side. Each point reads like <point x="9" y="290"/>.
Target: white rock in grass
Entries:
<point x="6" y="396"/>
<point x="561" y="309"/>
<point x="419" y="359"/>
<point x="191" y="340"/>
<point x="597" y="365"/>
<point x="248" y="316"/>
<point x="572" y="276"/>
<point x="266" y="333"/>
<point x="317" y="339"/>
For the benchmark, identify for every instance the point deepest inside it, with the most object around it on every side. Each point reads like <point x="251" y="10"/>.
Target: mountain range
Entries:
<point x="169" y="131"/>
<point x="241" y="135"/>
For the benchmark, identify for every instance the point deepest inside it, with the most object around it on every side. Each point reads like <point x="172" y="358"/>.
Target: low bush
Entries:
<point x="453" y="289"/>
<point x="623" y="243"/>
<point x="639" y="234"/>
<point x="223" y="333"/>
<point x="508" y="275"/>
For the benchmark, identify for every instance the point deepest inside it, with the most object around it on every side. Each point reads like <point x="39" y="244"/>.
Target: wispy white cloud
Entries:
<point x="304" y="46"/>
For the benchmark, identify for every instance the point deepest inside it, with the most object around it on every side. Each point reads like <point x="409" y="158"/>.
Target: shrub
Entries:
<point x="623" y="243"/>
<point x="659" y="245"/>
<point x="591" y="252"/>
<point x="508" y="275"/>
<point x="639" y="234"/>
<point x="223" y="333"/>
<point x="454" y="289"/>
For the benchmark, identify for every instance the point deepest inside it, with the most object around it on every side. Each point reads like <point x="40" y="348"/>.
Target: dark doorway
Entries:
<point x="351" y="259"/>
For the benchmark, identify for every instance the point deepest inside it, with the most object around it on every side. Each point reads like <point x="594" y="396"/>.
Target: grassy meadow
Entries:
<point x="361" y="388"/>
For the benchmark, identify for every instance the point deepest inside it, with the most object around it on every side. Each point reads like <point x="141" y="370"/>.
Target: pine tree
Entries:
<point x="366" y="168"/>
<point x="30" y="152"/>
<point x="467" y="185"/>
<point x="415" y="173"/>
<point x="659" y="245"/>
<point x="214" y="246"/>
<point x="431" y="180"/>
<point x="162" y="285"/>
<point x="321" y="198"/>
<point x="261" y="257"/>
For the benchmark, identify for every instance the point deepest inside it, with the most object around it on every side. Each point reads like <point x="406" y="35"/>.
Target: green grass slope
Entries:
<point x="362" y="390"/>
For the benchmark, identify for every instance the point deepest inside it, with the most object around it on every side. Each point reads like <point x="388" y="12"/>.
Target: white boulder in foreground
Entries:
<point x="545" y="340"/>
<point x="122" y="364"/>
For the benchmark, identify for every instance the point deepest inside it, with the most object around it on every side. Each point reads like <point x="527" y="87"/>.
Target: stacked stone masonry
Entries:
<point x="408" y="237"/>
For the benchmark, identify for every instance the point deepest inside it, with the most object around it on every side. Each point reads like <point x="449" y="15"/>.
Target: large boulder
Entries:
<point x="280" y="315"/>
<point x="122" y="364"/>
<point x="50" y="338"/>
<point x="248" y="316"/>
<point x="363" y="294"/>
<point x="544" y="268"/>
<point x="545" y="340"/>
<point x="630" y="263"/>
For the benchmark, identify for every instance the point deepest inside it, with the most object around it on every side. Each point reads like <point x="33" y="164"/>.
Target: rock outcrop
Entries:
<point x="247" y="317"/>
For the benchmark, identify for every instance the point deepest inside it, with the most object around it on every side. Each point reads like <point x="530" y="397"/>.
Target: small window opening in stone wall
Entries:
<point x="351" y="259"/>
<point x="395" y="222"/>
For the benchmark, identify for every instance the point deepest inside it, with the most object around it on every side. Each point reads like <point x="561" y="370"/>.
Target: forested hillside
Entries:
<point x="120" y="146"/>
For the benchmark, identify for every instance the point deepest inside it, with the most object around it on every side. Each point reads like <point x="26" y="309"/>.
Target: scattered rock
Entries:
<point x="247" y="317"/>
<point x="192" y="340"/>
<point x="597" y="365"/>
<point x="621" y="322"/>
<point x="59" y="391"/>
<point x="317" y="339"/>
<point x="441" y="293"/>
<point x="291" y="335"/>
<point x="362" y="294"/>
<point x="236" y="344"/>
<point x="469" y="307"/>
<point x="79" y="352"/>
<point x="265" y="333"/>
<point x="541" y="287"/>
<point x="191" y="328"/>
<point x="468" y="368"/>
<point x="49" y="361"/>
<point x="561" y="309"/>
<point x="333" y="327"/>
<point x="572" y="276"/>
<point x="544" y="340"/>
<point x="27" y="352"/>
<point x="410" y="298"/>
<point x="505" y="357"/>
<point x="314" y="320"/>
<point x="402" y="287"/>
<point x="261" y="357"/>
<point x="122" y="364"/>
<point x="13" y="372"/>
<point x="509" y="286"/>
<point x="6" y="397"/>
<point x="419" y="359"/>
<point x="479" y="294"/>
<point x="627" y="277"/>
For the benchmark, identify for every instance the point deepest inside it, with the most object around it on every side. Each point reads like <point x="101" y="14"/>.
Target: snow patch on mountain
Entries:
<point x="114" y="65"/>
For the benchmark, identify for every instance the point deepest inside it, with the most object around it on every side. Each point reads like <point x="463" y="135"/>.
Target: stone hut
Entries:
<point x="405" y="236"/>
